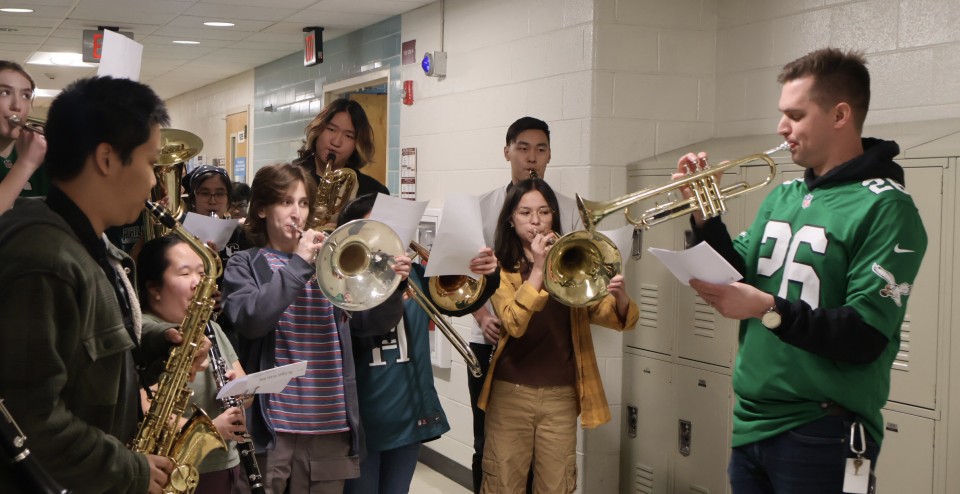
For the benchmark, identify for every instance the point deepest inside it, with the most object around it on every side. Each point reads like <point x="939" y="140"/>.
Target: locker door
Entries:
<point x="703" y="412"/>
<point x="906" y="457"/>
<point x="651" y="285"/>
<point x="753" y="200"/>
<point x="647" y="386"/>
<point x="913" y="379"/>
<point x="702" y="333"/>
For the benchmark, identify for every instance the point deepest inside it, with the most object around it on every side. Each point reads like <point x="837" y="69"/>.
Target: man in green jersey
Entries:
<point x="22" y="173"/>
<point x="828" y="268"/>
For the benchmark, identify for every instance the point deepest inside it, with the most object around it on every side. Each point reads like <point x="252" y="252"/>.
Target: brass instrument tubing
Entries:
<point x="15" y="120"/>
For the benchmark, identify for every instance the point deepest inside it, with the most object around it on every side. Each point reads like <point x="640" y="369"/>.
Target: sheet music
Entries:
<point x="700" y="262"/>
<point x="265" y="382"/>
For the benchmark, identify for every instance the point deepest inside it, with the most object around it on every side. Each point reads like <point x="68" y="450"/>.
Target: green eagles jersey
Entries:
<point x="398" y="401"/>
<point x="856" y="244"/>
<point x="37" y="186"/>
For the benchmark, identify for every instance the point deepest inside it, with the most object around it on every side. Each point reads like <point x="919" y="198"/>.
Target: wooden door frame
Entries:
<point x="248" y="138"/>
<point x="358" y="82"/>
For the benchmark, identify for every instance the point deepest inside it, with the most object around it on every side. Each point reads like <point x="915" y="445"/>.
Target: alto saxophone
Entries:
<point x="335" y="190"/>
<point x="159" y="433"/>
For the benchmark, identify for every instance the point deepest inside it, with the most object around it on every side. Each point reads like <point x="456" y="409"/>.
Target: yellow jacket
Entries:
<point x="516" y="301"/>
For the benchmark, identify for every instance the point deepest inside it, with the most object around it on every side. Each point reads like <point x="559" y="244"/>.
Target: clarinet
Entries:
<point x="245" y="447"/>
<point x="31" y="474"/>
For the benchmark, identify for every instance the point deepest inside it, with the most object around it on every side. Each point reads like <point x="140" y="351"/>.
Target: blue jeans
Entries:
<point x="810" y="458"/>
<point x="386" y="472"/>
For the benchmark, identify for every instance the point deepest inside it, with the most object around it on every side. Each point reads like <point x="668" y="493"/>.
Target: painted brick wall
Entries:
<point x="287" y="82"/>
<point x="912" y="48"/>
<point x="203" y="111"/>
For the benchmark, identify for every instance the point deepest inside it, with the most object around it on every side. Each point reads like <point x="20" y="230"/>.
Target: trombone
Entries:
<point x="580" y="264"/>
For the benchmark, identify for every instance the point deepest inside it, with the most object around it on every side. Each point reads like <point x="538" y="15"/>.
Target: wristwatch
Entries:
<point x="771" y="318"/>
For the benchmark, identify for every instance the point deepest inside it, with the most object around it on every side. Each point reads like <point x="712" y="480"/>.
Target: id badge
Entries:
<point x="857" y="480"/>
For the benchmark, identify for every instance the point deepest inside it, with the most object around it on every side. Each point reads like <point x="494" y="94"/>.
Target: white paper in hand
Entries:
<point x="401" y="215"/>
<point x="459" y="237"/>
<point x="210" y="229"/>
<point x="120" y="57"/>
<point x="622" y="238"/>
<point x="268" y="381"/>
<point x="700" y="262"/>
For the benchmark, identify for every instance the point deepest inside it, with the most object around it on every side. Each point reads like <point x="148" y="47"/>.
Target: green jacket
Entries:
<point x="63" y="351"/>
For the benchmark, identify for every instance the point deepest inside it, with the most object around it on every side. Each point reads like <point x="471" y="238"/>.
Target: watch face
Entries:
<point x="771" y="320"/>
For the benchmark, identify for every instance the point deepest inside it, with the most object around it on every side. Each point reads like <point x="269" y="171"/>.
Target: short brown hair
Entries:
<point x="363" y="133"/>
<point x="838" y="76"/>
<point x="269" y="185"/>
<point x="14" y="66"/>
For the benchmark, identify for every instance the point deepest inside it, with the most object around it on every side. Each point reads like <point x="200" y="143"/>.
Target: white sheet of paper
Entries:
<point x="623" y="239"/>
<point x="121" y="57"/>
<point x="401" y="215"/>
<point x="459" y="237"/>
<point x="700" y="262"/>
<point x="208" y="228"/>
<point x="268" y="381"/>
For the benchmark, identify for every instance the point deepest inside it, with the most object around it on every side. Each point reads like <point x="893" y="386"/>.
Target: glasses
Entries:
<point x="206" y="195"/>
<point x="525" y="215"/>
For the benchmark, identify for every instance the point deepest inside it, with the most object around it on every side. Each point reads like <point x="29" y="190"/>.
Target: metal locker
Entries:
<point x="651" y="285"/>
<point x="702" y="333"/>
<point x="913" y="379"/>
<point x="702" y="431"/>
<point x="646" y="431"/>
<point x="906" y="457"/>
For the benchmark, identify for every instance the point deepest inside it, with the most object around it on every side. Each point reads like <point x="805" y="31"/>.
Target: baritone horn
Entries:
<point x="579" y="265"/>
<point x="176" y="147"/>
<point x="708" y="198"/>
<point x="335" y="190"/>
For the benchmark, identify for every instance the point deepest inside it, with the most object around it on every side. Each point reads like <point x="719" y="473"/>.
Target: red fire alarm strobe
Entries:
<point x="312" y="46"/>
<point x="407" y="92"/>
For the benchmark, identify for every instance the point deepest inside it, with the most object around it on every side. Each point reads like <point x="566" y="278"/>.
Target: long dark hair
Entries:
<point x="363" y="133"/>
<point x="151" y="264"/>
<point x="507" y="244"/>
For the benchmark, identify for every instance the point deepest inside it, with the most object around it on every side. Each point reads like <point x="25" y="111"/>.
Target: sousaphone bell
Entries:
<point x="176" y="147"/>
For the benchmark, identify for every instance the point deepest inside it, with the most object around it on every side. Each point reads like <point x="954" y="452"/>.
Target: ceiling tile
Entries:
<point x="15" y="20"/>
<point x="196" y="22"/>
<point x="383" y="7"/>
<point x="158" y="41"/>
<point x="311" y="17"/>
<point x="29" y="31"/>
<point x="38" y="10"/>
<point x="280" y="4"/>
<point x="222" y="11"/>
<point x="202" y="33"/>
<point x="139" y="30"/>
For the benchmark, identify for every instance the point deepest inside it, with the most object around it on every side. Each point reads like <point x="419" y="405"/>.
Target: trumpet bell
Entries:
<point x="579" y="267"/>
<point x="354" y="265"/>
<point x="456" y="292"/>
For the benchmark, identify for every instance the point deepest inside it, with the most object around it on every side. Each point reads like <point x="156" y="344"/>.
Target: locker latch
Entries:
<point x="892" y="427"/>
<point x="636" y="250"/>
<point x="685" y="431"/>
<point x="632" y="415"/>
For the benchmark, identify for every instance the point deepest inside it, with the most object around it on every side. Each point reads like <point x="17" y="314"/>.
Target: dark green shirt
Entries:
<point x="39" y="183"/>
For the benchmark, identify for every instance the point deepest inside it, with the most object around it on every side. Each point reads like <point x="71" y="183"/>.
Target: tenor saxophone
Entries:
<point x="159" y="433"/>
<point x="335" y="189"/>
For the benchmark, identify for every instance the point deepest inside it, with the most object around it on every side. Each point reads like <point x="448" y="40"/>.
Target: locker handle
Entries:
<point x="892" y="427"/>
<point x="702" y="383"/>
<point x="646" y="370"/>
<point x="685" y="433"/>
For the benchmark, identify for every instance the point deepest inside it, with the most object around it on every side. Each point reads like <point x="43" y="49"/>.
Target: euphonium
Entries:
<point x="335" y="190"/>
<point x="159" y="433"/>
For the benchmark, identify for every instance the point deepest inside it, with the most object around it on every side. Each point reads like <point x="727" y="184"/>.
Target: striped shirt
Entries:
<point x="307" y="331"/>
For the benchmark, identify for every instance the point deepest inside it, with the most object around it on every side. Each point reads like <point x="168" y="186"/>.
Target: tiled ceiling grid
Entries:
<point x="261" y="34"/>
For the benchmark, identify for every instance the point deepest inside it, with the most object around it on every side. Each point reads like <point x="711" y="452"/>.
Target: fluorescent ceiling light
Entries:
<point x="187" y="42"/>
<point x="47" y="93"/>
<point x="17" y="11"/>
<point x="58" y="59"/>
<point x="219" y="24"/>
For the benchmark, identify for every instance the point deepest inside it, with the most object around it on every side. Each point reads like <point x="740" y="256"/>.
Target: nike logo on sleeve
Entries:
<point x="898" y="250"/>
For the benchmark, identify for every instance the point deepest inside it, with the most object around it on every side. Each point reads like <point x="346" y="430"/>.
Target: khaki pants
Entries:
<point x="528" y="423"/>
<point x="311" y="463"/>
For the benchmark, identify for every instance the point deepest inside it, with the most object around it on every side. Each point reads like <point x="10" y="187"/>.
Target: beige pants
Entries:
<point x="310" y="463"/>
<point x="524" y="424"/>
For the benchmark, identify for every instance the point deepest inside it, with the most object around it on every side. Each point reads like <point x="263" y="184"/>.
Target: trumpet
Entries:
<point x="708" y="197"/>
<point x="15" y="120"/>
<point x="579" y="266"/>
